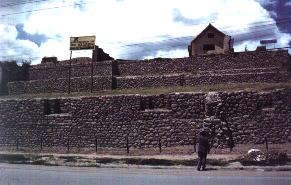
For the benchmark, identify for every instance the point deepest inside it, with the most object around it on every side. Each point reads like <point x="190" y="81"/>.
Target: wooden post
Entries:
<point x="40" y="143"/>
<point x="96" y="145"/>
<point x="68" y="145"/>
<point x="92" y="69"/>
<point x="70" y="66"/>
<point x="17" y="143"/>
<point x="160" y="145"/>
<point x="194" y="144"/>
<point x="267" y="146"/>
<point x="127" y="145"/>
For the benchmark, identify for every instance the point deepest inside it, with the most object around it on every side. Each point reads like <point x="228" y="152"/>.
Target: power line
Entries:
<point x="177" y="39"/>
<point x="20" y="3"/>
<point x="168" y="48"/>
<point x="223" y="29"/>
<point x="258" y="34"/>
<point x="262" y="29"/>
<point x="42" y="9"/>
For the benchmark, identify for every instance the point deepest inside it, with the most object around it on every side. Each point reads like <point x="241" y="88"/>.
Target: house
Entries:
<point x="210" y="41"/>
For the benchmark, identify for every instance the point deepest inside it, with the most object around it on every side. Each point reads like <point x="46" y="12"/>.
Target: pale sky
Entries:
<point x="135" y="29"/>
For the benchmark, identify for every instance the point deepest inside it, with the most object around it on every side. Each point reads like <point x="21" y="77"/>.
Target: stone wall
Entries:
<point x="243" y="60"/>
<point x="243" y="117"/>
<point x="149" y="81"/>
<point x="268" y="77"/>
<point x="245" y="67"/>
<point x="60" y="85"/>
<point x="78" y="69"/>
<point x="192" y="80"/>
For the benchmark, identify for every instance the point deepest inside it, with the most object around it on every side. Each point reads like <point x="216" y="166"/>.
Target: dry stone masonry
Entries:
<point x="257" y="66"/>
<point x="243" y="117"/>
<point x="145" y="121"/>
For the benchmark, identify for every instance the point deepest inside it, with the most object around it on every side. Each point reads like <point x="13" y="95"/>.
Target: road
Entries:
<point x="42" y="175"/>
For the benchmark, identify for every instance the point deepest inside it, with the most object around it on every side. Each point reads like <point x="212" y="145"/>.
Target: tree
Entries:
<point x="13" y="71"/>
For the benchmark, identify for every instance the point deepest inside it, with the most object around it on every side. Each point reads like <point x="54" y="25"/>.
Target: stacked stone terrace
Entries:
<point x="257" y="66"/>
<point x="245" y="117"/>
<point x="215" y="69"/>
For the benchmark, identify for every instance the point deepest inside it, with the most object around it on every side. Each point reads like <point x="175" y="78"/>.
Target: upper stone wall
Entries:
<point x="201" y="64"/>
<point x="80" y="67"/>
<point x="244" y="67"/>
<point x="231" y="61"/>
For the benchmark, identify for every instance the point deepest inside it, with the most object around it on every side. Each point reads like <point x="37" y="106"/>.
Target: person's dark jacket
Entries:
<point x="203" y="144"/>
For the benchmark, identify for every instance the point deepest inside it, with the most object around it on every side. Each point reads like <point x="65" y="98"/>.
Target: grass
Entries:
<point x="16" y="158"/>
<point x="152" y="162"/>
<point x="229" y="87"/>
<point x="106" y="160"/>
<point x="25" y="159"/>
<point x="71" y="159"/>
<point x="39" y="162"/>
<point x="158" y="162"/>
<point x="50" y="160"/>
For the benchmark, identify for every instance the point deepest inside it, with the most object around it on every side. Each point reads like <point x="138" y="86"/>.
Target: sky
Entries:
<point x="135" y="29"/>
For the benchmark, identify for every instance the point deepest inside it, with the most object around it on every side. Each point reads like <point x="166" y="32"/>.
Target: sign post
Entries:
<point x="70" y="65"/>
<point x="81" y="43"/>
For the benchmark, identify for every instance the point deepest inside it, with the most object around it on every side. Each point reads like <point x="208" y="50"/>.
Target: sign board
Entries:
<point x="273" y="41"/>
<point x="80" y="43"/>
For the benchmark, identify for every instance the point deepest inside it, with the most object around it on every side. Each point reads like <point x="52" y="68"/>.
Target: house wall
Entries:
<point x="220" y="41"/>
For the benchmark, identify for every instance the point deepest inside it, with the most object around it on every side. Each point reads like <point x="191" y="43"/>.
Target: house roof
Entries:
<point x="210" y="26"/>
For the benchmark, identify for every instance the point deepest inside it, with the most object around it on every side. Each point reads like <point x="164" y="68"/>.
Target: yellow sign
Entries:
<point x="85" y="42"/>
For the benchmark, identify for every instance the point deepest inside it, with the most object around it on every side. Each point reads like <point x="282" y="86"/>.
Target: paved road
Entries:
<point x="41" y="175"/>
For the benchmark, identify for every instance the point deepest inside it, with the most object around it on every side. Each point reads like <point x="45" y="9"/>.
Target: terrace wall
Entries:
<point x="244" y="67"/>
<point x="231" y="61"/>
<point x="246" y="116"/>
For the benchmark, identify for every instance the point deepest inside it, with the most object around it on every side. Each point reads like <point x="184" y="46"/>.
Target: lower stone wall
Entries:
<point x="243" y="117"/>
<point x="78" y="84"/>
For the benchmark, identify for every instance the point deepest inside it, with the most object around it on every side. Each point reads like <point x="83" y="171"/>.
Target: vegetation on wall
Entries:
<point x="13" y="71"/>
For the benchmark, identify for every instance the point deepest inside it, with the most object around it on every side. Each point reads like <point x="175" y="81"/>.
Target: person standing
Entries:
<point x="203" y="149"/>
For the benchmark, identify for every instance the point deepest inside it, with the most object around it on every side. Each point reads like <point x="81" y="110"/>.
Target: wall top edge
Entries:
<point x="14" y="98"/>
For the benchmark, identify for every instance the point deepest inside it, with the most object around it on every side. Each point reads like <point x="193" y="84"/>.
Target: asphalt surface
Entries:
<point x="11" y="174"/>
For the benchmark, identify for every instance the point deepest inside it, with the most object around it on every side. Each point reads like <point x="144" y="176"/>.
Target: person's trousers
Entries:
<point x="201" y="160"/>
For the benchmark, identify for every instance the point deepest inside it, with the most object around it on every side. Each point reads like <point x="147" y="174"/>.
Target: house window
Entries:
<point x="208" y="47"/>
<point x="210" y="35"/>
